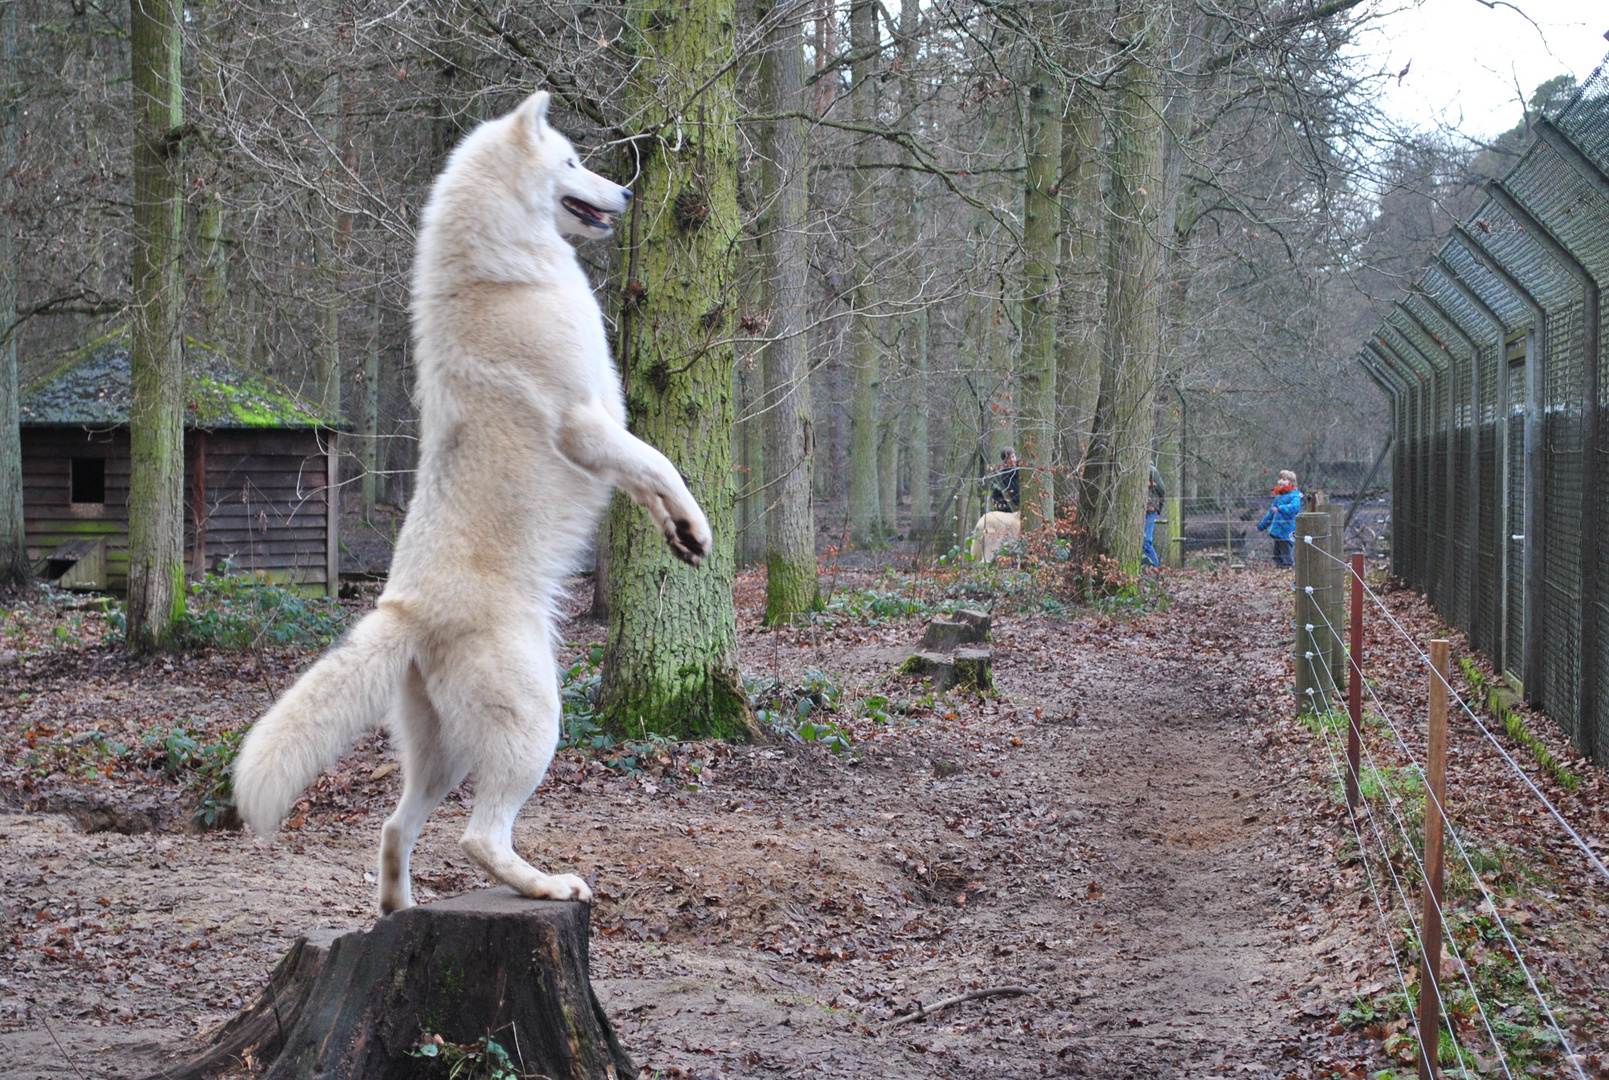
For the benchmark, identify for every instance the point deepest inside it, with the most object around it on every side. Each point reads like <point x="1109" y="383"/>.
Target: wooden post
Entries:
<point x="1312" y="588"/>
<point x="1354" y="687"/>
<point x="1435" y="804"/>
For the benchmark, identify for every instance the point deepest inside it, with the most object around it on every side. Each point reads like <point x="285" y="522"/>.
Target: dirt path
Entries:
<point x="1126" y="831"/>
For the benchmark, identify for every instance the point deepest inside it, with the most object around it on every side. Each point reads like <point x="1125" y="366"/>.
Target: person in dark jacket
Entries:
<point x="1005" y="493"/>
<point x="1155" y="496"/>
<point x="1280" y="521"/>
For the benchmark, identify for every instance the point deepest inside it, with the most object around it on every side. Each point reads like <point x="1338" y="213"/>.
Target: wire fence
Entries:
<point x="1473" y="1033"/>
<point x="1493" y="367"/>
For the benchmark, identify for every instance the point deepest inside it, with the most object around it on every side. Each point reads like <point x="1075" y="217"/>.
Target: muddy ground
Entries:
<point x="1132" y="829"/>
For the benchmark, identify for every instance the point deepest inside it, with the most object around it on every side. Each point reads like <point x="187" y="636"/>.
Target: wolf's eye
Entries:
<point x="571" y="163"/>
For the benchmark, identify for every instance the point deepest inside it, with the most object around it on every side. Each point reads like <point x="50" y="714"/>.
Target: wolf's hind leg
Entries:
<point x="429" y="772"/>
<point x="505" y="695"/>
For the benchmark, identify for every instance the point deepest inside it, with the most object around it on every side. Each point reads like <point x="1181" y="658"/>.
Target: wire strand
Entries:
<point x="1458" y="842"/>
<point x="1424" y="873"/>
<point x="1586" y="849"/>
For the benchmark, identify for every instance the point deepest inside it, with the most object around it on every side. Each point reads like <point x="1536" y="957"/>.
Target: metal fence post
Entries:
<point x="1312" y="597"/>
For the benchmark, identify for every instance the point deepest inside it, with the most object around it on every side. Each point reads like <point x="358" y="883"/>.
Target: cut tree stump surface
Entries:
<point x="965" y="627"/>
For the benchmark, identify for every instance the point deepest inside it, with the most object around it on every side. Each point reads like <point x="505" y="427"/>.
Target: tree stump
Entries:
<point x="974" y="669"/>
<point x="970" y="668"/>
<point x="980" y="621"/>
<point x="457" y="986"/>
<point x="963" y="628"/>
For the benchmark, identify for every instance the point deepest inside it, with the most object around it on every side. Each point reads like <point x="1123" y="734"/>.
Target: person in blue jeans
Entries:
<point x="1280" y="521"/>
<point x="1155" y="495"/>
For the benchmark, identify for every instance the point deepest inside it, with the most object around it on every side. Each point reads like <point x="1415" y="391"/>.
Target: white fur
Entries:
<point x="522" y="437"/>
<point x="994" y="531"/>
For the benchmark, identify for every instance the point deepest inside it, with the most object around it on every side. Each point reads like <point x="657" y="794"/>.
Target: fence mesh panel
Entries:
<point x="1497" y="399"/>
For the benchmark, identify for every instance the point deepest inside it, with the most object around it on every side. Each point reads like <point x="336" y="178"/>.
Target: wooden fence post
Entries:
<point x="1312" y="644"/>
<point x="1430" y="926"/>
<point x="1354" y="687"/>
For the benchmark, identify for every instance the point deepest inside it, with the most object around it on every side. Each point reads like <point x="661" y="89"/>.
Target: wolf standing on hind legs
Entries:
<point x="522" y="436"/>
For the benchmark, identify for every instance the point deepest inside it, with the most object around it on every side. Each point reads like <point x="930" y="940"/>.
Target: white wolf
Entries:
<point x="994" y="530"/>
<point x="523" y="435"/>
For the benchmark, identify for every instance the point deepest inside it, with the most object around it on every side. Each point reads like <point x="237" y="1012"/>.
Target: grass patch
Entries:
<point x="1513" y="722"/>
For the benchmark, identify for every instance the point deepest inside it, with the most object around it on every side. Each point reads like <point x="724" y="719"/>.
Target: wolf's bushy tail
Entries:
<point x="314" y="722"/>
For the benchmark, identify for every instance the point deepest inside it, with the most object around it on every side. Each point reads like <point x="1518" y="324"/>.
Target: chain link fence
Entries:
<point x="1493" y="367"/>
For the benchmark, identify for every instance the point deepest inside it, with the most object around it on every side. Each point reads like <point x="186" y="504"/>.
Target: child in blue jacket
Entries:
<point x="1280" y="521"/>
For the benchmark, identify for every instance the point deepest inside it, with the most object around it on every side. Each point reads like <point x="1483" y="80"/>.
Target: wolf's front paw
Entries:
<point x="562" y="887"/>
<point x="687" y="542"/>
<point x="552" y="887"/>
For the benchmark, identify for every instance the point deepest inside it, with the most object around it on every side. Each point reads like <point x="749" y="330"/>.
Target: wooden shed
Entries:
<point x="260" y="466"/>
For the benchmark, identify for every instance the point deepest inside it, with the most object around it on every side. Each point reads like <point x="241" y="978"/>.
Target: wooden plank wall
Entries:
<point x="48" y="520"/>
<point x="265" y="500"/>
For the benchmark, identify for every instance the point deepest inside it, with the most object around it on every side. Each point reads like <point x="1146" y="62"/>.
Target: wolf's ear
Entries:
<point x="536" y="108"/>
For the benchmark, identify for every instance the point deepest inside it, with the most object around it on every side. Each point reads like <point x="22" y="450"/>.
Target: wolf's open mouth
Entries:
<point x="588" y="213"/>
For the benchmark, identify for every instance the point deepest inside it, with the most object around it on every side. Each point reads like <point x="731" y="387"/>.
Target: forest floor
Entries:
<point x="1133" y="828"/>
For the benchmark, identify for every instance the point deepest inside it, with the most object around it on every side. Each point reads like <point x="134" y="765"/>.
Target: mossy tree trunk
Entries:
<point x="1117" y="470"/>
<point x="791" y="585"/>
<point x="156" y="414"/>
<point x="865" y="509"/>
<point x="670" y="664"/>
<point x="1041" y="233"/>
<point x="13" y="546"/>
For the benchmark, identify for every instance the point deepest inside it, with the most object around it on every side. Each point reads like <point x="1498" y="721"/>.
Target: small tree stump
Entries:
<point x="937" y="667"/>
<point x="968" y="667"/>
<point x="980" y="621"/>
<point x="487" y="964"/>
<point x="947" y="635"/>
<point x="974" y="669"/>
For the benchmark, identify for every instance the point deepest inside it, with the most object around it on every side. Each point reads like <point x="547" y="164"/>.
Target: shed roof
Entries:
<point x="92" y="386"/>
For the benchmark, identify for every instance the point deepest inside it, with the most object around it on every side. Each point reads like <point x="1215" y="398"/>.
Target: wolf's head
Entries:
<point x="581" y="201"/>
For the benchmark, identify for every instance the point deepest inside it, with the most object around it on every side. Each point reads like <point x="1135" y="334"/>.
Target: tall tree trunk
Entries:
<point x="750" y="472"/>
<point x="1116" y="473"/>
<point x="913" y="333"/>
<point x="887" y="460"/>
<point x="865" y="513"/>
<point x="156" y="415"/>
<point x="791" y="585"/>
<point x="326" y="218"/>
<point x="1040" y="248"/>
<point x="210" y="226"/>
<point x="1078" y="350"/>
<point x="670" y="665"/>
<point x="13" y="545"/>
<point x="369" y="444"/>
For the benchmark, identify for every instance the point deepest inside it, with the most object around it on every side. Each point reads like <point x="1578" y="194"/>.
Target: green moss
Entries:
<point x="698" y="705"/>
<point x="791" y="590"/>
<point x="92" y="385"/>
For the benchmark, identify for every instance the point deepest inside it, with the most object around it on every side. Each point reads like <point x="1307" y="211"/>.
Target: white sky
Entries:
<point x="1467" y="59"/>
